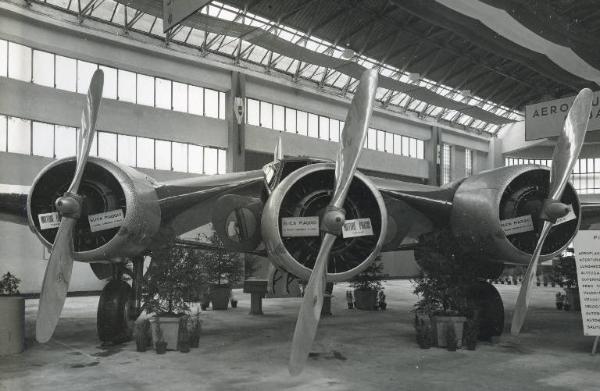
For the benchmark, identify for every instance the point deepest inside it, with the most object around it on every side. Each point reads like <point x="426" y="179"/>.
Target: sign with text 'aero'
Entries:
<point x="587" y="258"/>
<point x="304" y="226"/>
<point x="357" y="227"/>
<point x="546" y="119"/>
<point x="106" y="220"/>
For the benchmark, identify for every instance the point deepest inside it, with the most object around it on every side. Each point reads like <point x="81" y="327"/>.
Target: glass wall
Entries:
<point x="446" y="164"/>
<point x="24" y="136"/>
<point x="287" y="119"/>
<point x="468" y="162"/>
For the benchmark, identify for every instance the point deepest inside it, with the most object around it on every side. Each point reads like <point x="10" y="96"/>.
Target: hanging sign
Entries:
<point x="587" y="259"/>
<point x="300" y="226"/>
<point x="517" y="225"/>
<point x="106" y="220"/>
<point x="357" y="227"/>
<point x="49" y="220"/>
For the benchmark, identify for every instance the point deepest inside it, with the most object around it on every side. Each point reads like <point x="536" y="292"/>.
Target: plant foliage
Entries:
<point x="9" y="285"/>
<point x="220" y="266"/>
<point x="370" y="278"/>
<point x="564" y="271"/>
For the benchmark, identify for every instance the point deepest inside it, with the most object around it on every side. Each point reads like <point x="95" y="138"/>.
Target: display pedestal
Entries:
<point x="257" y="290"/>
<point x="12" y="325"/>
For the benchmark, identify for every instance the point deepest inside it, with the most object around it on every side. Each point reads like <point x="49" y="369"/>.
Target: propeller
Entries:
<point x="60" y="264"/>
<point x="351" y="143"/>
<point x="564" y="157"/>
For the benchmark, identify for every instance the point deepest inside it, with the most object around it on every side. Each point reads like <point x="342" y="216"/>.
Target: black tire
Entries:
<point x="113" y="312"/>
<point x="487" y="301"/>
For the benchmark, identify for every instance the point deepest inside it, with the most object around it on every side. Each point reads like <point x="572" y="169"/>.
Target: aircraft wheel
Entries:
<point x="113" y="312"/>
<point x="487" y="301"/>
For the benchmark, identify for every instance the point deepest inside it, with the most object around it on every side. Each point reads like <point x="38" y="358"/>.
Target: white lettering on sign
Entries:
<point x="568" y="217"/>
<point x="49" y="220"/>
<point x="587" y="259"/>
<point x="106" y="220"/>
<point x="300" y="226"/>
<point x="517" y="225"/>
<point x="357" y="227"/>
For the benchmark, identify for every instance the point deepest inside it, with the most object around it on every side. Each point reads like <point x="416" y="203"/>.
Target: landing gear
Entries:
<point x="120" y="304"/>
<point x="490" y="310"/>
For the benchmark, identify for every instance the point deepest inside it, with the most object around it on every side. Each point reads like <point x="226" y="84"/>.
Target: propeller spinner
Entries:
<point x="60" y="264"/>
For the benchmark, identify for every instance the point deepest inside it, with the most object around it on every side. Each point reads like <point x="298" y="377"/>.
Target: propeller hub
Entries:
<point x="333" y="220"/>
<point x="553" y="210"/>
<point x="69" y="205"/>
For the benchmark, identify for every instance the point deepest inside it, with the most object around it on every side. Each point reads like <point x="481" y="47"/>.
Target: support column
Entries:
<point x="431" y="154"/>
<point x="495" y="159"/>
<point x="236" y="150"/>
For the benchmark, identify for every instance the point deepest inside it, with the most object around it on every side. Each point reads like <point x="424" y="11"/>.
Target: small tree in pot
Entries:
<point x="12" y="320"/>
<point x="564" y="273"/>
<point x="366" y="284"/>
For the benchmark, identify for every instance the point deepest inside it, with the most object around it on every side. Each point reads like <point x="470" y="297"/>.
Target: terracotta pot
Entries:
<point x="12" y="325"/>
<point x="365" y="299"/>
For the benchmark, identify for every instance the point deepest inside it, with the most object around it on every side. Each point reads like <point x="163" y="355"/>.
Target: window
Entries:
<point x="19" y="135"/>
<point x="180" y="97"/>
<point x="2" y="131"/>
<point x="389" y="142"/>
<point x="211" y="103"/>
<point x="266" y="115"/>
<point x="413" y="147"/>
<point x="278" y="117"/>
<point x="65" y="73"/>
<point x="19" y="62"/>
<point x="3" y="57"/>
<point x="145" y="152"/>
<point x="405" y="146"/>
<point x="334" y="130"/>
<point x="65" y="141"/>
<point x="127" y="150"/>
<point x="196" y="159"/>
<point x="222" y="164"/>
<point x="420" y="149"/>
<point x="196" y="100"/>
<point x="43" y="139"/>
<point x="145" y="90"/>
<point x="107" y="145"/>
<point x="446" y="164"/>
<point x="253" y="112"/>
<point x="180" y="156"/>
<point x="468" y="162"/>
<point x="126" y="86"/>
<point x="290" y="120"/>
<point x="397" y="144"/>
<point x="43" y="68"/>
<point x="381" y="140"/>
<point x="313" y="125"/>
<point x="85" y="71"/>
<point x="324" y="128"/>
<point x="110" y="82"/>
<point x="163" y="93"/>
<point x="210" y="161"/>
<point x="302" y="122"/>
<point x="163" y="155"/>
<point x="222" y="105"/>
<point x="372" y="139"/>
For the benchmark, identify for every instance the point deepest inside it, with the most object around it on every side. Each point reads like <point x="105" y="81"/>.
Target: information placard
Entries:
<point x="304" y="226"/>
<point x="587" y="258"/>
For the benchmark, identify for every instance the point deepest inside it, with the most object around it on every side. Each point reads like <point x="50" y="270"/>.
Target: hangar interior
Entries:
<point x="454" y="92"/>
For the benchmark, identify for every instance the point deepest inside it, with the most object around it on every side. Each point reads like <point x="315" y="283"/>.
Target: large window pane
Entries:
<point x="266" y="115"/>
<point x="253" y="112"/>
<point x="389" y="142"/>
<point x="43" y="68"/>
<point x="2" y="132"/>
<point x="163" y="155"/>
<point x="3" y="57"/>
<point x="19" y="135"/>
<point x="211" y="103"/>
<point x="126" y="149"/>
<point x="163" y="93"/>
<point x="313" y="125"/>
<point x="278" y="117"/>
<point x="413" y="147"/>
<point x="180" y="97"/>
<point x="290" y="120"/>
<point x="196" y="100"/>
<point x="126" y="87"/>
<point x="196" y="159"/>
<point x="380" y="140"/>
<point x="302" y="122"/>
<point x="222" y="105"/>
<point x="145" y="90"/>
<point x="180" y="157"/>
<point x="145" y="152"/>
<point x="334" y="130"/>
<point x="420" y="149"/>
<point x="397" y="144"/>
<point x="85" y="70"/>
<point x="222" y="169"/>
<point x="372" y="139"/>
<point x="107" y="145"/>
<point x="66" y="72"/>
<point x="210" y="160"/>
<point x="43" y="139"/>
<point x="323" y="128"/>
<point x="65" y="141"/>
<point x="19" y="62"/>
<point x="405" y="147"/>
<point x="110" y="82"/>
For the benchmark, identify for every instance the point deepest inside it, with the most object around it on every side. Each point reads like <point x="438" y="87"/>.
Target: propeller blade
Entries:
<point x="56" y="281"/>
<point x="564" y="157"/>
<point x="60" y="265"/>
<point x="351" y="143"/>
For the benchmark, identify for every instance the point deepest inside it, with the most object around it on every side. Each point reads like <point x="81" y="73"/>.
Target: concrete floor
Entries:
<point x="356" y="350"/>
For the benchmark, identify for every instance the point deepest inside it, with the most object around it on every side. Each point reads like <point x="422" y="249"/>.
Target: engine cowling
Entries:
<point x="106" y="187"/>
<point x="482" y="202"/>
<point x="306" y="192"/>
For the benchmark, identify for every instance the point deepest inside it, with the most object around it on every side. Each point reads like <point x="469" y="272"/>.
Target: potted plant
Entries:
<point x="366" y="285"/>
<point x="142" y="334"/>
<point x="159" y="343"/>
<point x="451" y="342"/>
<point x="559" y="300"/>
<point x="471" y="334"/>
<point x="564" y="272"/>
<point x="184" y="336"/>
<point x="424" y="332"/>
<point x="195" y="328"/>
<point x="12" y="319"/>
<point x="222" y="270"/>
<point x="172" y="280"/>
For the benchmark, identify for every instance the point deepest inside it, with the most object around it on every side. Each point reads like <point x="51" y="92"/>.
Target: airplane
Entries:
<point x="98" y="211"/>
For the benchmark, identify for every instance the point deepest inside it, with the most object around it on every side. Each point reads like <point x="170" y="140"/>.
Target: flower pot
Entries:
<point x="170" y="330"/>
<point x="161" y="347"/>
<point x="219" y="296"/>
<point x="573" y="298"/>
<point x="234" y="303"/>
<point x="365" y="299"/>
<point x="184" y="346"/>
<point x="440" y="326"/>
<point x="12" y="325"/>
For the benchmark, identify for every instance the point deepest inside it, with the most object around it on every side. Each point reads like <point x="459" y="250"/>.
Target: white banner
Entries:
<point x="357" y="227"/>
<point x="300" y="226"/>
<point x="49" y="220"/>
<point x="517" y="225"/>
<point x="587" y="258"/>
<point x="106" y="220"/>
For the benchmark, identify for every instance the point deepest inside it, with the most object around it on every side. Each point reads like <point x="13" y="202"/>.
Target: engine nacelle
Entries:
<point x="306" y="192"/>
<point x="106" y="187"/>
<point x="483" y="201"/>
